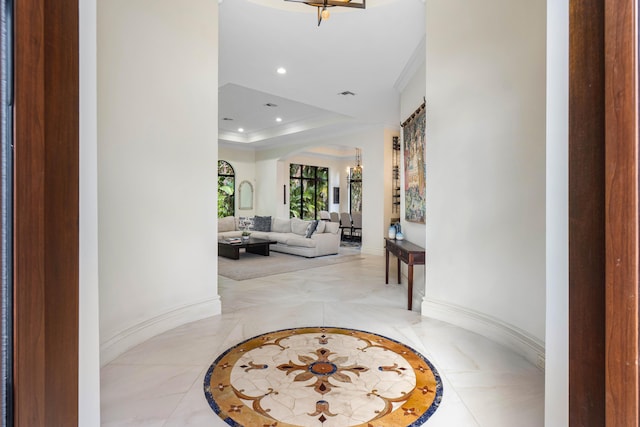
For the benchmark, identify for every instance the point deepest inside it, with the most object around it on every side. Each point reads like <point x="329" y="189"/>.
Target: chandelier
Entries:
<point x="355" y="173"/>
<point x="358" y="167"/>
<point x="322" y="6"/>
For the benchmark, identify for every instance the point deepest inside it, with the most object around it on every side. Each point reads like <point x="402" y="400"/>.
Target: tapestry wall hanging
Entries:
<point x="415" y="166"/>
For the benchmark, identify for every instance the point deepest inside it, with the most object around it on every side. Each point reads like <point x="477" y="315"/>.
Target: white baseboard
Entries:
<point x="136" y="334"/>
<point x="496" y="330"/>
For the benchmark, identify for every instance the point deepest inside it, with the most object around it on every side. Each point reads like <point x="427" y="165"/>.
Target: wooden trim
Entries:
<point x="586" y="214"/>
<point x="621" y="182"/>
<point x="46" y="213"/>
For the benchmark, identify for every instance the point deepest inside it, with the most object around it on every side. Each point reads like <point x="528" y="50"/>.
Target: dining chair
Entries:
<point x="346" y="225"/>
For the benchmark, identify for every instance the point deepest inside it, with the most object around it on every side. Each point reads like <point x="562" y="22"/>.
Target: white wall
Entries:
<point x="157" y="157"/>
<point x="557" y="333"/>
<point x="412" y="97"/>
<point x="88" y="318"/>
<point x="244" y="166"/>
<point x="485" y="152"/>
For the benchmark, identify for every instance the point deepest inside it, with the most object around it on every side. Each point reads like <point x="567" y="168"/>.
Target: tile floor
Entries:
<point x="160" y="382"/>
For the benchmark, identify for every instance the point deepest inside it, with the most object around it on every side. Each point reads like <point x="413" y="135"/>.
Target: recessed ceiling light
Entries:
<point x="281" y="70"/>
<point x="240" y="130"/>
<point x="278" y="119"/>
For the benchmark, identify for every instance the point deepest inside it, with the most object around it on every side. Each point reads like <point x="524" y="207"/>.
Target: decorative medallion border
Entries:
<point x="317" y="365"/>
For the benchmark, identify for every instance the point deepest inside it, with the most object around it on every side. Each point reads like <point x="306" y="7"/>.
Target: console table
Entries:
<point x="408" y="253"/>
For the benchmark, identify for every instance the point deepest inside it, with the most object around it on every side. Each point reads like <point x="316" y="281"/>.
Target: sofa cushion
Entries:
<point x="301" y="241"/>
<point x="228" y="223"/>
<point x="332" y="227"/>
<point x="311" y="228"/>
<point x="281" y="225"/>
<point x="281" y="237"/>
<point x="299" y="226"/>
<point x="321" y="226"/>
<point x="262" y="223"/>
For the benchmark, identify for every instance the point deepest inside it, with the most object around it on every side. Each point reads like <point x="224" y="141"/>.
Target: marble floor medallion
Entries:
<point x="324" y="377"/>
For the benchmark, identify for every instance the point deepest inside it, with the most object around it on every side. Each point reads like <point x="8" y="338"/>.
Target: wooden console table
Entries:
<point x="408" y="253"/>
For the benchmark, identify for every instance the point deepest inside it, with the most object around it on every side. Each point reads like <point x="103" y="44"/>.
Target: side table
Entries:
<point x="407" y="252"/>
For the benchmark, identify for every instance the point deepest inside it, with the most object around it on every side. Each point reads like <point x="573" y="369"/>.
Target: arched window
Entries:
<point x="226" y="189"/>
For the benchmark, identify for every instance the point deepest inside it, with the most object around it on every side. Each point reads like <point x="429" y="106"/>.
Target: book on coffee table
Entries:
<point x="233" y="240"/>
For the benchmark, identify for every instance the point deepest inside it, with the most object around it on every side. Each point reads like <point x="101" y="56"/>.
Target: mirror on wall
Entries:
<point x="245" y="189"/>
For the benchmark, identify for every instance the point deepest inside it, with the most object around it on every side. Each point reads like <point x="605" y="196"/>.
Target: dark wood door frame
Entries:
<point x="46" y="237"/>
<point x="621" y="206"/>
<point x="586" y="214"/>
<point x="603" y="214"/>
<point x="603" y="217"/>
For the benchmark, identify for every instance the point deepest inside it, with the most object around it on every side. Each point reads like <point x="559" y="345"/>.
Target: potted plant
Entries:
<point x="246" y="234"/>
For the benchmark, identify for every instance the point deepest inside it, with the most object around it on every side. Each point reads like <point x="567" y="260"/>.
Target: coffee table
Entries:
<point x="253" y="245"/>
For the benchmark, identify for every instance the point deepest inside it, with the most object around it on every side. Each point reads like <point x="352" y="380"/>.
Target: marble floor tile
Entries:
<point x="160" y="382"/>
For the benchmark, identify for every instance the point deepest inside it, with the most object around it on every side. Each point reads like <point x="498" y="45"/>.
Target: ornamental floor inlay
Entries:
<point x="324" y="377"/>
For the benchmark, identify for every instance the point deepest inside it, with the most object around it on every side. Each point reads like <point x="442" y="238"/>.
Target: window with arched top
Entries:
<point x="226" y="189"/>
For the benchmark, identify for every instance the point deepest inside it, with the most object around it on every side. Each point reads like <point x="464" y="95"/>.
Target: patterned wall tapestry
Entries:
<point x="414" y="167"/>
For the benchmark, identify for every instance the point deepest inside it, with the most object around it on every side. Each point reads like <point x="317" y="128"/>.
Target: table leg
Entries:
<point x="410" y="290"/>
<point x="229" y="251"/>
<point x="259" y="250"/>
<point x="399" y="271"/>
<point x="386" y="258"/>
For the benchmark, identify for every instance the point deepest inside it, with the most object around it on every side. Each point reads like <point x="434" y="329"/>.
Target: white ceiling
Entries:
<point x="367" y="52"/>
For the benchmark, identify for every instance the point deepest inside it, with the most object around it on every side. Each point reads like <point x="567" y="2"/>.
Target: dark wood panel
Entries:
<point x="586" y="214"/>
<point x="621" y="184"/>
<point x="29" y="274"/>
<point x="46" y="212"/>
<point x="61" y="211"/>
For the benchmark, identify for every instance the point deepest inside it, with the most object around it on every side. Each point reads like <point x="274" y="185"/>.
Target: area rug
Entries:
<point x="350" y="244"/>
<point x="251" y="266"/>
<point x="322" y="377"/>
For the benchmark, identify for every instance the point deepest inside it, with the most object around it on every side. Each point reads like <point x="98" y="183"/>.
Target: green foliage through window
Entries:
<point x="308" y="191"/>
<point x="226" y="189"/>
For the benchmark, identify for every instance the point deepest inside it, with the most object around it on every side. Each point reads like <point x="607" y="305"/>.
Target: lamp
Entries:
<point x="322" y="6"/>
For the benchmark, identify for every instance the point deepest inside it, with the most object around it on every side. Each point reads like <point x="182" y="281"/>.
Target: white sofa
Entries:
<point x="290" y="234"/>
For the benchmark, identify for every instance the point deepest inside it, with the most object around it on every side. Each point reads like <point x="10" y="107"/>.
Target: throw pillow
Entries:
<point x="321" y="226"/>
<point x="262" y="223"/>
<point x="311" y="228"/>
<point x="245" y="223"/>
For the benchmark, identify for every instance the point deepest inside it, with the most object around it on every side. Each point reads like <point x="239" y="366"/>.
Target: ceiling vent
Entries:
<point x="227" y="119"/>
<point x="346" y="93"/>
<point x="269" y="104"/>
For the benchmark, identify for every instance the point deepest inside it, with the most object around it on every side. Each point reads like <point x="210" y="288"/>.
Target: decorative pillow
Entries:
<point x="281" y="225"/>
<point x="228" y="223"/>
<point x="311" y="228"/>
<point x="321" y="226"/>
<point x="245" y="223"/>
<point x="262" y="223"/>
<point x="299" y="226"/>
